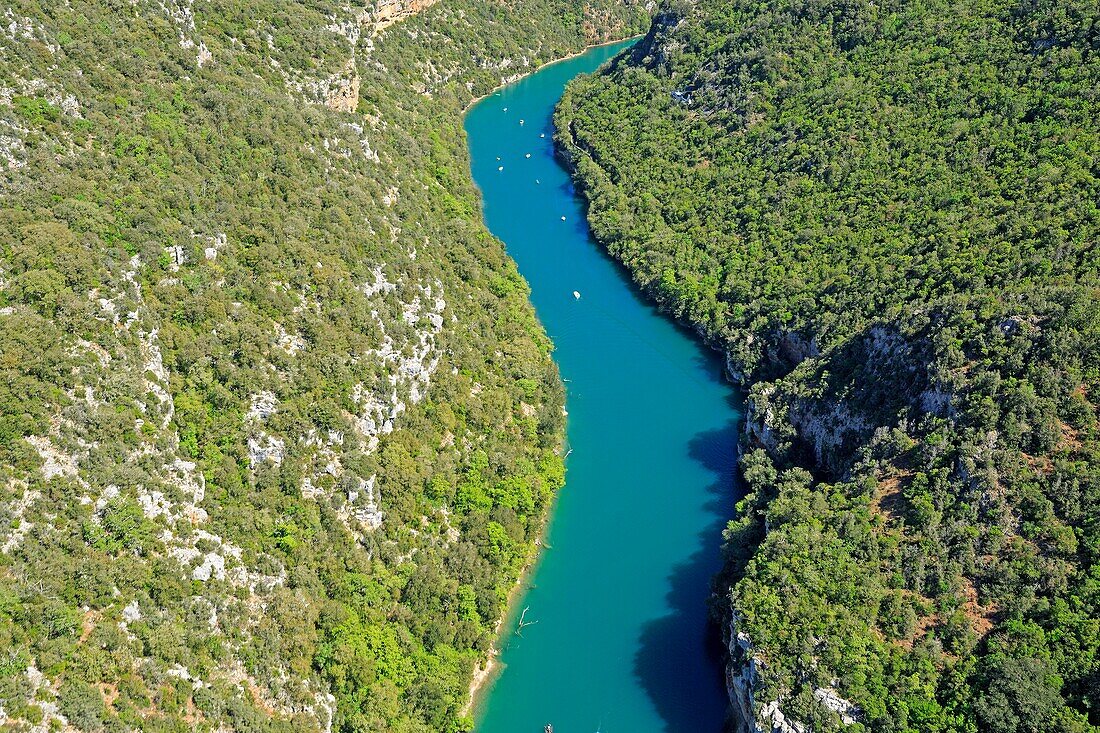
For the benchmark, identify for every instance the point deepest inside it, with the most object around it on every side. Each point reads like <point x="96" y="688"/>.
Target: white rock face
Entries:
<point x="176" y="257"/>
<point x="375" y="415"/>
<point x="349" y="25"/>
<point x="309" y="491"/>
<point x="153" y="503"/>
<point x="214" y="244"/>
<point x="411" y="358"/>
<point x="19" y="28"/>
<point x="263" y="406"/>
<point x="829" y="697"/>
<point x="937" y="401"/>
<point x="131" y="612"/>
<point x="361" y="512"/>
<point x="289" y="342"/>
<point x="760" y="420"/>
<point x="265" y="447"/>
<point x="182" y="14"/>
<point x="414" y="371"/>
<point x="380" y="284"/>
<point x="18" y="509"/>
<point x="411" y="362"/>
<point x="154" y="364"/>
<point x="13" y="153"/>
<point x="13" y="136"/>
<point x="741" y="681"/>
<point x="203" y="57"/>
<point x="750" y="715"/>
<point x="213" y="565"/>
<point x="55" y="462"/>
<point x="827" y="429"/>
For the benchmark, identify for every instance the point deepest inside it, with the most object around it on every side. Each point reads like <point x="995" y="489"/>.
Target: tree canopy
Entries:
<point x="887" y="215"/>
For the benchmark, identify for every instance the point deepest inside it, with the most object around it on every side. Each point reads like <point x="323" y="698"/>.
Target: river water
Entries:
<point x="615" y="638"/>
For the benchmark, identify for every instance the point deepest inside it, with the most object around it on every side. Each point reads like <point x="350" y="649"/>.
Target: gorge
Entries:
<point x="615" y="633"/>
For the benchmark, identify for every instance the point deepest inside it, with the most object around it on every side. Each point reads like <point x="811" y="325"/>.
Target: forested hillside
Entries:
<point x="886" y="213"/>
<point x="278" y="428"/>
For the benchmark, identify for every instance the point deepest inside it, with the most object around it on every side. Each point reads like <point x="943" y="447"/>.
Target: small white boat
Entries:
<point x="505" y="109"/>
<point x="500" y="167"/>
<point x="521" y="122"/>
<point x="563" y="218"/>
<point x="542" y="134"/>
<point x="538" y="181"/>
<point x="576" y="295"/>
<point x="527" y="156"/>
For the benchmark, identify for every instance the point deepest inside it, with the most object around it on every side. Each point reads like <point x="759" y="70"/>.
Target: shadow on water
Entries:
<point x="667" y="662"/>
<point x="679" y="665"/>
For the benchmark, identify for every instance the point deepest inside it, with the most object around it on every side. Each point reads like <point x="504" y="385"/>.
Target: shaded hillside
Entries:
<point x="886" y="215"/>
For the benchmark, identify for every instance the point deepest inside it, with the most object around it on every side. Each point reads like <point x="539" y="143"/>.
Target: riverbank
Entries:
<point x="509" y="80"/>
<point x="481" y="681"/>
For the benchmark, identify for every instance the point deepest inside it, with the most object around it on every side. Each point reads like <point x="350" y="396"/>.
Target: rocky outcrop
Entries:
<point x="830" y="428"/>
<point x="343" y="89"/>
<point x="762" y="423"/>
<point x="878" y="378"/>
<point x="748" y="713"/>
<point x="741" y="681"/>
<point x="653" y="50"/>
<point x="339" y="91"/>
<point x="830" y="699"/>
<point x="388" y="12"/>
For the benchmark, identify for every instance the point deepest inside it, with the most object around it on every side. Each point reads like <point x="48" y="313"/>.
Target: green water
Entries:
<point x="618" y="639"/>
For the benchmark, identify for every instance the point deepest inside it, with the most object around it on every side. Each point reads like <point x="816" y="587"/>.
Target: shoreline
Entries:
<point x="485" y="674"/>
<point x="513" y="79"/>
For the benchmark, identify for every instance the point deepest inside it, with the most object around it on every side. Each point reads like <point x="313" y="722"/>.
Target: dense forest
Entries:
<point x="278" y="427"/>
<point x="886" y="214"/>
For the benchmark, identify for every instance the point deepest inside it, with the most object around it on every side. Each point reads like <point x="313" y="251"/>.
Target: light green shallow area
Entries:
<point x="615" y="635"/>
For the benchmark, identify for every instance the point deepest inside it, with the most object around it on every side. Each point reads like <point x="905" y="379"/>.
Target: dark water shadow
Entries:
<point x="685" y="682"/>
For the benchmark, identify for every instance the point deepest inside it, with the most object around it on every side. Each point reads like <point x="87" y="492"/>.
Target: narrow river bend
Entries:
<point x="617" y="639"/>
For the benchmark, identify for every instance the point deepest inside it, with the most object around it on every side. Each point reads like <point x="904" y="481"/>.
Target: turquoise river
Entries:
<point x="615" y="637"/>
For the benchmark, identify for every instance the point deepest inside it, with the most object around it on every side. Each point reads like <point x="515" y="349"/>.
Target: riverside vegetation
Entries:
<point x="278" y="427"/>
<point x="886" y="214"/>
